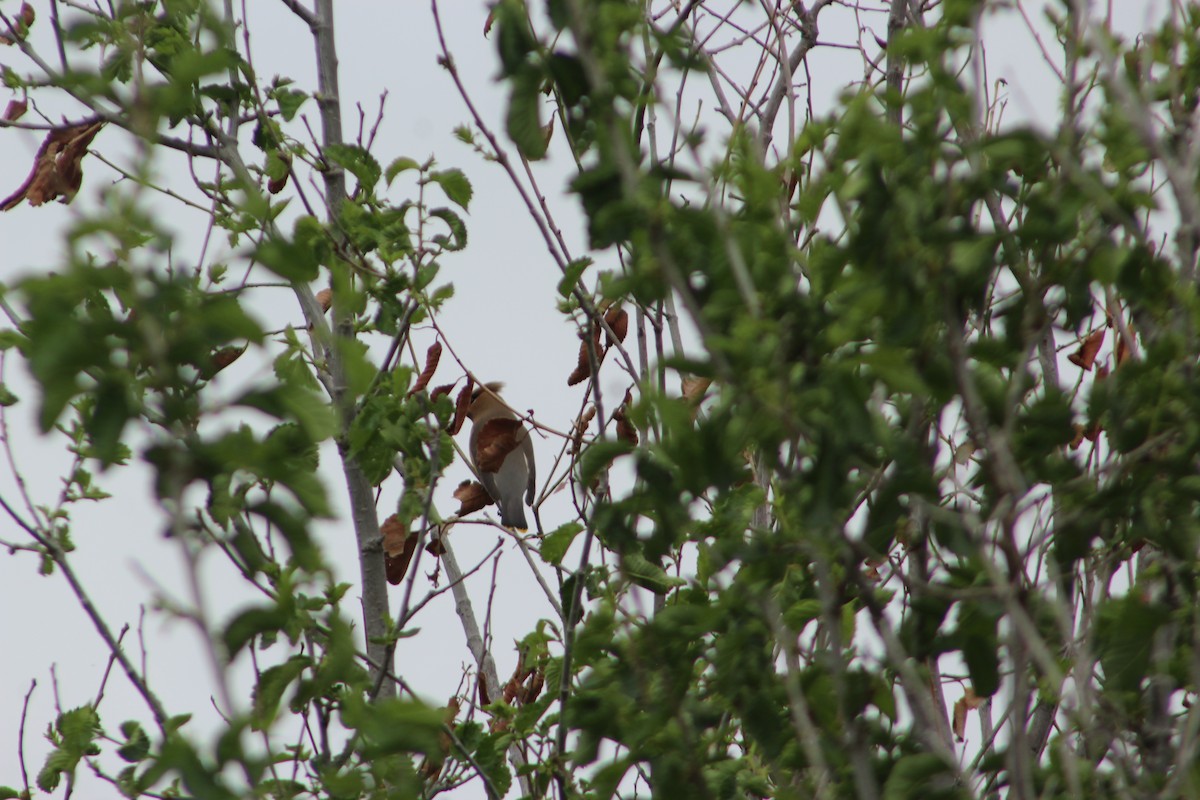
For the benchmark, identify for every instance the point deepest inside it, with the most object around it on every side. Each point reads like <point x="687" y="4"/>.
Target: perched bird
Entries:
<point x="502" y="453"/>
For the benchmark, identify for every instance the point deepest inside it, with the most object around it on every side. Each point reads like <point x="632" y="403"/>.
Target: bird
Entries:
<point x="502" y="452"/>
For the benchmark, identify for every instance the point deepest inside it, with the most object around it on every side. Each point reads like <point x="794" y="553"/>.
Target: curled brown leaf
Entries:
<point x="968" y="702"/>
<point x="432" y="356"/>
<point x="583" y="366"/>
<point x="1085" y="356"/>
<point x="56" y="172"/>
<point x="471" y="497"/>
<point x="399" y="545"/>
<point x="461" y="404"/>
<point x="223" y="358"/>
<point x="325" y="299"/>
<point x="617" y="319"/>
<point x="15" y="110"/>
<point x="581" y="426"/>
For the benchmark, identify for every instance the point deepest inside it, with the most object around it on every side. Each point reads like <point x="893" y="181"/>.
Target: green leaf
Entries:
<point x="1125" y="630"/>
<point x="641" y="571"/>
<point x="270" y="688"/>
<point x="558" y="541"/>
<point x="913" y="777"/>
<point x="397" y="166"/>
<point x="7" y="398"/>
<point x="358" y="161"/>
<point x="77" y="731"/>
<point x="137" y="744"/>
<point x="253" y="622"/>
<point x="598" y="456"/>
<point x="289" y="260"/>
<point x="289" y="101"/>
<point x="572" y="274"/>
<point x="524" y="121"/>
<point x="457" y="239"/>
<point x="393" y="725"/>
<point x="455" y="184"/>
<point x="7" y="792"/>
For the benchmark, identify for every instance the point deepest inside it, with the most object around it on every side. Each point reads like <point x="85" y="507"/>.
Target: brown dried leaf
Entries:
<point x="15" y="110"/>
<point x="581" y="426"/>
<point x="223" y="358"/>
<point x="625" y="429"/>
<point x="276" y="185"/>
<point x="968" y="702"/>
<point x="432" y="356"/>
<point x="487" y="28"/>
<point x="963" y="453"/>
<point x="497" y="438"/>
<point x="534" y="687"/>
<point x="694" y="389"/>
<point x="583" y="366"/>
<point x="1077" y="439"/>
<point x="472" y="497"/>
<point x="399" y="546"/>
<point x="325" y="299"/>
<point x="461" y="404"/>
<point x="441" y="390"/>
<point x="617" y="319"/>
<point x="1085" y="356"/>
<point x="395" y="534"/>
<point x="1122" y="349"/>
<point x="27" y="14"/>
<point x="56" y="172"/>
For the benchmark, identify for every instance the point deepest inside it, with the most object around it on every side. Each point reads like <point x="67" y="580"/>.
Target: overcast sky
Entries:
<point x="502" y="323"/>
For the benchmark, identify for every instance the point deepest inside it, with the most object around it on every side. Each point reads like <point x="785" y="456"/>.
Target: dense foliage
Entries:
<point x="910" y="439"/>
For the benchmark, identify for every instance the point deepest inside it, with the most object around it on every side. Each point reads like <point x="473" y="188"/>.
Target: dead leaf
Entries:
<point x="24" y="20"/>
<point x="617" y="318"/>
<point x="461" y="404"/>
<point x="963" y="453"/>
<point x="625" y="429"/>
<point x="694" y="389"/>
<point x="1122" y="349"/>
<point x="967" y="702"/>
<point x="325" y="299"/>
<point x="472" y="497"/>
<point x="223" y="358"/>
<point x="1085" y="356"/>
<point x="441" y="390"/>
<point x="56" y="172"/>
<point x="583" y="366"/>
<point x="1077" y="439"/>
<point x="399" y="546"/>
<point x="487" y="28"/>
<point x="581" y="426"/>
<point x="432" y="356"/>
<point x="497" y="438"/>
<point x="15" y="110"/>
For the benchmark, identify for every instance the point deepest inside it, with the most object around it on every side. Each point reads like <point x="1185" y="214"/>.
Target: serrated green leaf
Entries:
<point x="455" y="184"/>
<point x="358" y="161"/>
<point x="572" y="274"/>
<point x="641" y="571"/>
<point x="598" y="456"/>
<point x="398" y="166"/>
<point x="558" y="541"/>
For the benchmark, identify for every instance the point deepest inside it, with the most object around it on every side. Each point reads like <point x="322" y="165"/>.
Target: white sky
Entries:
<point x="502" y="323"/>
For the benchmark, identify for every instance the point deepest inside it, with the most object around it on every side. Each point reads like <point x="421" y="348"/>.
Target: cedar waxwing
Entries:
<point x="505" y="465"/>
